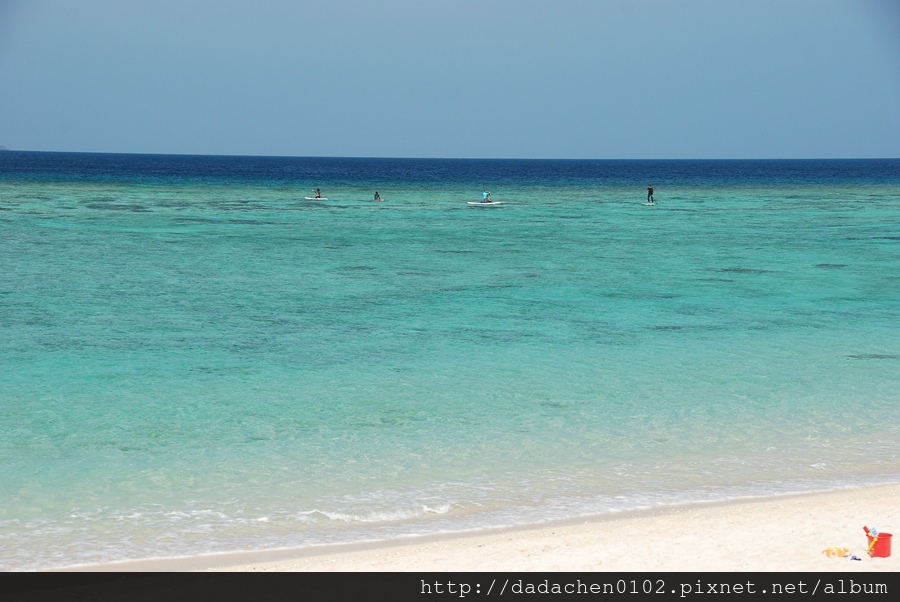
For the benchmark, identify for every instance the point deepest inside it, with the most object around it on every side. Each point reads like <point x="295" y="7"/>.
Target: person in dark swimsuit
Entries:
<point x="650" y="194"/>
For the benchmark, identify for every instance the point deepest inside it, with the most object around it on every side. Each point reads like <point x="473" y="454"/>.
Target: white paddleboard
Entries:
<point x="314" y="198"/>
<point x="649" y="204"/>
<point x="488" y="204"/>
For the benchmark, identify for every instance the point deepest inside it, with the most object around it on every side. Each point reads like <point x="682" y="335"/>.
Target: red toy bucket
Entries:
<point x="882" y="547"/>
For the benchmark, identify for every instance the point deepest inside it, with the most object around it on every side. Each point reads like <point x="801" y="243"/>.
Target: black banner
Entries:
<point x="138" y="587"/>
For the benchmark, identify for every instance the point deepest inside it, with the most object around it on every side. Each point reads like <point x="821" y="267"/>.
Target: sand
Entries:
<point x="772" y="534"/>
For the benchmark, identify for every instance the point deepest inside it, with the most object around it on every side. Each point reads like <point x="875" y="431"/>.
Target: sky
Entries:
<point x="598" y="79"/>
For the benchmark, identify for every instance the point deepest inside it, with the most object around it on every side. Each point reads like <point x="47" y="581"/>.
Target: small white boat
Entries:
<point x="486" y="203"/>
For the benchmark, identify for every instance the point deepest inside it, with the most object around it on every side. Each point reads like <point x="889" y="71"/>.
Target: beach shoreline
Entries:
<point x="784" y="533"/>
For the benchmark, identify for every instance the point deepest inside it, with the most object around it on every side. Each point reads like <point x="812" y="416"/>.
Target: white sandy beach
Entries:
<point x="773" y="534"/>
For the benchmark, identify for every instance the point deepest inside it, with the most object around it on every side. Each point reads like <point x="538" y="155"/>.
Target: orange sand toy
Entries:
<point x="836" y="552"/>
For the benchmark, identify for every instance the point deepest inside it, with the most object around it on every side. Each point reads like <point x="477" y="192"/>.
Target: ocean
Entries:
<point x="196" y="359"/>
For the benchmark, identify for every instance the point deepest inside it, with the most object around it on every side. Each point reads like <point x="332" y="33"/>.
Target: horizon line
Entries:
<point x="435" y="158"/>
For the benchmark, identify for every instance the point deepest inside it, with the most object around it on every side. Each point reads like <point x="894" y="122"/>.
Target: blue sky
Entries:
<point x="602" y="79"/>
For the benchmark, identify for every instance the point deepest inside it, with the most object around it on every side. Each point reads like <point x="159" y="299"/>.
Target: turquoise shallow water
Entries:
<point x="194" y="359"/>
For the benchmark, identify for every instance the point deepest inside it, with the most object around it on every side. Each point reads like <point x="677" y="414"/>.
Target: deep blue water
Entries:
<point x="36" y="166"/>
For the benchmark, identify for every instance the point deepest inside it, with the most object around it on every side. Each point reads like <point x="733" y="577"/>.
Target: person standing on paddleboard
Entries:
<point x="650" y="194"/>
<point x="486" y="197"/>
